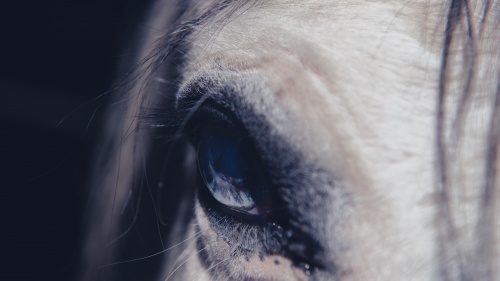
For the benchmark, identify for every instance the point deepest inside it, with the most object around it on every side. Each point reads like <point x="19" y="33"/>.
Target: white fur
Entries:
<point x="362" y="78"/>
<point x="363" y="75"/>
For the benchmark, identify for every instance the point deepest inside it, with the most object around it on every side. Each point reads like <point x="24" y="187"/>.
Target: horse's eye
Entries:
<point x="230" y="170"/>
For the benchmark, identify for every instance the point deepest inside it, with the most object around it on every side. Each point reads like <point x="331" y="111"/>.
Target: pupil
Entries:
<point x="230" y="162"/>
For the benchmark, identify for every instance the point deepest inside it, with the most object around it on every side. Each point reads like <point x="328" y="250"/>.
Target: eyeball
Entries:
<point x="230" y="170"/>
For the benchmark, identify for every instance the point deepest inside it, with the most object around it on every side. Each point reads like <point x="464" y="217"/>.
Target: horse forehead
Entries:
<point x="322" y="50"/>
<point x="362" y="75"/>
<point x="350" y="30"/>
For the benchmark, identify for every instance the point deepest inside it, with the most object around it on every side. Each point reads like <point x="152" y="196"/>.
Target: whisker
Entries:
<point x="154" y="205"/>
<point x="134" y="220"/>
<point x="217" y="264"/>
<point x="194" y="236"/>
<point x="184" y="262"/>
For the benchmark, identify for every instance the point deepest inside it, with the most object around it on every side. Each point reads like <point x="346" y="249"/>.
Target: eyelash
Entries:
<point x="208" y="116"/>
<point x="273" y="230"/>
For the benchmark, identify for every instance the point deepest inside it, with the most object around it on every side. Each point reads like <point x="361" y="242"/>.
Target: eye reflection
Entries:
<point x="230" y="171"/>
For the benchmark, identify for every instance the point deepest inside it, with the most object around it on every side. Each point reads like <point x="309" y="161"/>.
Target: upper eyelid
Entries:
<point x="203" y="95"/>
<point x="187" y="110"/>
<point x="209" y="112"/>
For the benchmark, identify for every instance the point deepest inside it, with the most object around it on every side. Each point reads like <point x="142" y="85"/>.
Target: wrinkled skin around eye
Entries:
<point x="229" y="170"/>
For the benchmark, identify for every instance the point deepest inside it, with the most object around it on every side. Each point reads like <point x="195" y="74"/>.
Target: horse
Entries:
<point x="301" y="140"/>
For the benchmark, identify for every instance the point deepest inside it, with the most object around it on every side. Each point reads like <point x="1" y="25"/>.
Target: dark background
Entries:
<point x="56" y="57"/>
